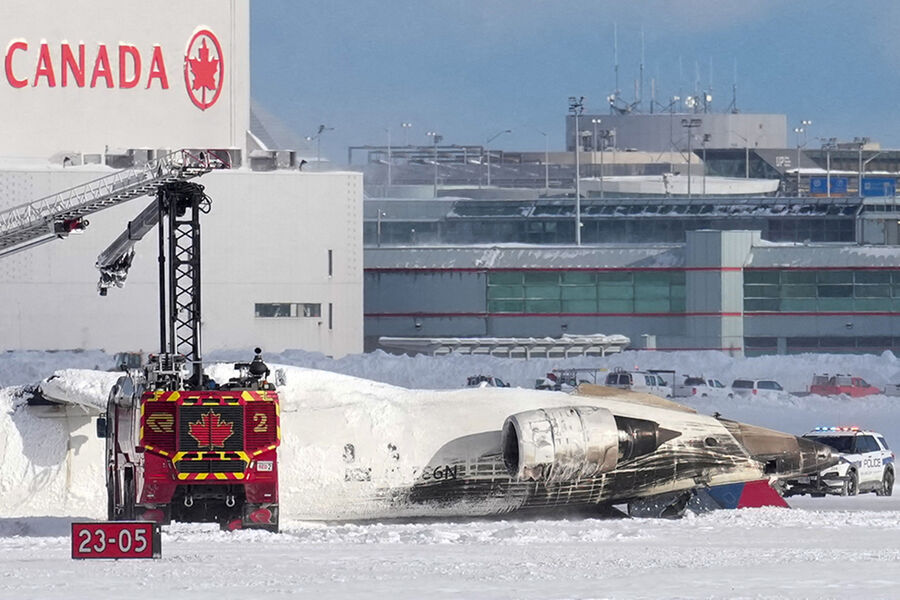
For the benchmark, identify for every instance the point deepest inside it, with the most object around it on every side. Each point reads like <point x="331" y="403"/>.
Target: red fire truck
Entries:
<point x="180" y="446"/>
<point x="193" y="454"/>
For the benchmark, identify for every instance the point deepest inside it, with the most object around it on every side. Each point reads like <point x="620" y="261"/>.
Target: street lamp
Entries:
<point x="435" y="138"/>
<point x="318" y="137"/>
<point x="690" y="124"/>
<point x="406" y="127"/>
<point x="380" y="214"/>
<point x="576" y="107"/>
<point x="863" y="171"/>
<point x="388" y="129"/>
<point x="546" y="160"/>
<point x="798" y="130"/>
<point x="828" y="144"/>
<point x="487" y="146"/>
<point x="603" y="136"/>
<point x="706" y="138"/>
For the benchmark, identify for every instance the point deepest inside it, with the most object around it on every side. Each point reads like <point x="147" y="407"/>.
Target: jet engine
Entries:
<point x="574" y="442"/>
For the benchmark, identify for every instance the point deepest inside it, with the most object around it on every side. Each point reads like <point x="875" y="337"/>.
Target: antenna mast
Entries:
<point x="640" y="99"/>
<point x="615" y="64"/>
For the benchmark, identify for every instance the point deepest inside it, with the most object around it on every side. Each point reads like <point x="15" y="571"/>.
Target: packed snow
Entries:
<point x="51" y="473"/>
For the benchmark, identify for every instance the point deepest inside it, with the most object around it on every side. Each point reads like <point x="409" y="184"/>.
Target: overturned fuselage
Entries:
<point x="386" y="452"/>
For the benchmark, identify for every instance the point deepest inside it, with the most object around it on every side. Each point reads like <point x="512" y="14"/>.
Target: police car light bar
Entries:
<point x="824" y="428"/>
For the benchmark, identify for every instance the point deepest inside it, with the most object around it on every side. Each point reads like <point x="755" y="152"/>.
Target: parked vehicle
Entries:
<point x="702" y="387"/>
<point x="835" y="385"/>
<point x="639" y="381"/>
<point x="867" y="465"/>
<point x="566" y="380"/>
<point x="485" y="381"/>
<point x="763" y="388"/>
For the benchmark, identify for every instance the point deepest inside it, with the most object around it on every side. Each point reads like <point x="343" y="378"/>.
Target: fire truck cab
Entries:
<point x="203" y="453"/>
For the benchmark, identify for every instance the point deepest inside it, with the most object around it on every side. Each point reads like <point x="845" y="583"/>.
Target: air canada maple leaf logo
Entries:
<point x="210" y="431"/>
<point x="204" y="69"/>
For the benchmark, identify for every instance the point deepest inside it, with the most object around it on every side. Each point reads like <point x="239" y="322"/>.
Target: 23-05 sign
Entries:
<point x="116" y="539"/>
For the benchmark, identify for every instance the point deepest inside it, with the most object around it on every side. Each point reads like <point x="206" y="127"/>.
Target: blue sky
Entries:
<point x="471" y="68"/>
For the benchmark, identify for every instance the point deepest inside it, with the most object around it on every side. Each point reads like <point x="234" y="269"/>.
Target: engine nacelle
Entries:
<point x="574" y="442"/>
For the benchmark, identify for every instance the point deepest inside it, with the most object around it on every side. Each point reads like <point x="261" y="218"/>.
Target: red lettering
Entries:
<point x="69" y="65"/>
<point x="101" y="68"/>
<point x="44" y="67"/>
<point x="158" y="69"/>
<point x="13" y="81"/>
<point x="124" y="52"/>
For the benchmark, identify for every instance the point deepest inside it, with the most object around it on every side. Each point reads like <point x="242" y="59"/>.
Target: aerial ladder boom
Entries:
<point x="55" y="216"/>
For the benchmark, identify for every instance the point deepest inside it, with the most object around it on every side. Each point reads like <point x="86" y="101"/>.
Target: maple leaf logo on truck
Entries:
<point x="204" y="69"/>
<point x="210" y="431"/>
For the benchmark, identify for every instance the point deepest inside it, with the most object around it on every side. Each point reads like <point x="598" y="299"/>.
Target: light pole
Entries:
<point x="435" y="138"/>
<point x="381" y="213"/>
<point x="863" y="172"/>
<point x="828" y="144"/>
<point x="798" y="130"/>
<point x="406" y="127"/>
<point x="576" y="107"/>
<point x="690" y="124"/>
<point x="487" y="146"/>
<point x="604" y="136"/>
<point x="318" y="138"/>
<point x="546" y="159"/>
<point x="706" y="138"/>
<point x="388" y="129"/>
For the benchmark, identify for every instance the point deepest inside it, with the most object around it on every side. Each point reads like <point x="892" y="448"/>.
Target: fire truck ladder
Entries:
<point x="41" y="221"/>
<point x="176" y="211"/>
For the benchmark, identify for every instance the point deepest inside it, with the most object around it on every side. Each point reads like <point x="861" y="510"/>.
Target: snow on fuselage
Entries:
<point x="358" y="449"/>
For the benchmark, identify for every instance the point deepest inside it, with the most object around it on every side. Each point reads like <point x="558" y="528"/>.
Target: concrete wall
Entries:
<point x="663" y="131"/>
<point x="714" y="289"/>
<point x="265" y="240"/>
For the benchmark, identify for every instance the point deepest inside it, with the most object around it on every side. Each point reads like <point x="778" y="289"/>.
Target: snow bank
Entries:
<point x="54" y="465"/>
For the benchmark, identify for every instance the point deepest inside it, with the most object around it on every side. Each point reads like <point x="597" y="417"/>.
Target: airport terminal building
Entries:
<point x="281" y="248"/>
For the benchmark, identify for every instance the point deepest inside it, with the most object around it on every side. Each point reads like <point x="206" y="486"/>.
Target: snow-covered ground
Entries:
<point x="828" y="547"/>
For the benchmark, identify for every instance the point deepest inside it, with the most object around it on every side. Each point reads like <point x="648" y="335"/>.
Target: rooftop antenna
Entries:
<point x="734" y="108"/>
<point x="696" y="77"/>
<point x="652" y="94"/>
<point x="640" y="97"/>
<point x="616" y="60"/>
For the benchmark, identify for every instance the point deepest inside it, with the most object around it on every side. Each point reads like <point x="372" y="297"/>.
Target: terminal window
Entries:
<point x="289" y="310"/>
<point x="845" y="290"/>
<point x="585" y="292"/>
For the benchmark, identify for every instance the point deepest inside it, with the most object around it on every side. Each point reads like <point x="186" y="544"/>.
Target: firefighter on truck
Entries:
<point x="185" y="450"/>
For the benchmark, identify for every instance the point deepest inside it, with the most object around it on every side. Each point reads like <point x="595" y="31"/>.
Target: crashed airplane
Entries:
<point x="370" y="450"/>
<point x="354" y="449"/>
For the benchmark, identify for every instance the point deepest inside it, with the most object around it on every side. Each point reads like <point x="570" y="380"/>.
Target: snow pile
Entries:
<point x="51" y="462"/>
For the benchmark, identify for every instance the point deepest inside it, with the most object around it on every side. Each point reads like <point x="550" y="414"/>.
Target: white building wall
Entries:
<point x="265" y="240"/>
<point x="43" y="114"/>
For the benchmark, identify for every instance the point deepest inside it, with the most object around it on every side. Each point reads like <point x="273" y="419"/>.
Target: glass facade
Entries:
<point x="831" y="290"/>
<point x="585" y="292"/>
<point x="760" y="346"/>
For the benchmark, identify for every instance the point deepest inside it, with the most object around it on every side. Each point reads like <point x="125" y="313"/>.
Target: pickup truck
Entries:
<point x="836" y="385"/>
<point x="701" y="387"/>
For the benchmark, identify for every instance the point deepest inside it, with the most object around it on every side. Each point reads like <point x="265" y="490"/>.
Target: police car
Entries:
<point x="866" y="465"/>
